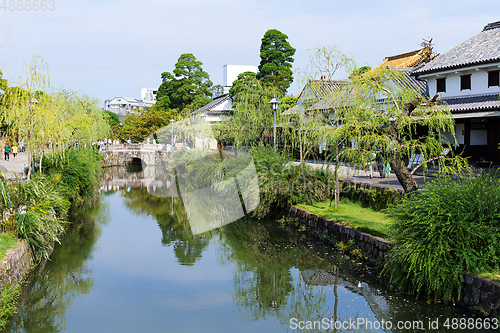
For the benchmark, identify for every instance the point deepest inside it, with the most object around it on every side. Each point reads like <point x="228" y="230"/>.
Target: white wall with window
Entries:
<point x="483" y="80"/>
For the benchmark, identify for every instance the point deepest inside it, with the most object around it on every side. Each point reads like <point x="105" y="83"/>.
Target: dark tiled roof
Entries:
<point x="473" y="103"/>
<point x="483" y="48"/>
<point x="317" y="89"/>
<point x="407" y="81"/>
<point x="207" y="108"/>
<point x="411" y="82"/>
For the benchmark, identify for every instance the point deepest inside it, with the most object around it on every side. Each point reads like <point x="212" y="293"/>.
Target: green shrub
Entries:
<point x="450" y="229"/>
<point x="283" y="184"/>
<point x="377" y="200"/>
<point x="76" y="174"/>
<point x="39" y="213"/>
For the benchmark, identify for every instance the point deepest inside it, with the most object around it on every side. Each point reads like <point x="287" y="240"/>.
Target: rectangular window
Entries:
<point x="441" y="85"/>
<point x="465" y="82"/>
<point x="493" y="79"/>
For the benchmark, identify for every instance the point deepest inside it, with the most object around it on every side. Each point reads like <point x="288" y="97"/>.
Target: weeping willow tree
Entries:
<point x="311" y="125"/>
<point x="252" y="121"/>
<point x="79" y="118"/>
<point x="45" y="120"/>
<point x="385" y="113"/>
<point x="24" y="108"/>
<point x="381" y="112"/>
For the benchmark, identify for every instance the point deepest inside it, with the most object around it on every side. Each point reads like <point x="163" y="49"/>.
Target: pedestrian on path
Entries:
<point x="381" y="165"/>
<point x="14" y="151"/>
<point x="369" y="165"/>
<point x="7" y="151"/>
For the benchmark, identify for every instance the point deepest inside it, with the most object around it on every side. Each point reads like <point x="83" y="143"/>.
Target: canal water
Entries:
<point x="132" y="264"/>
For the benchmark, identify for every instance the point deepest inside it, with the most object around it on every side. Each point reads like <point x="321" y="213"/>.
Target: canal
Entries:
<point x="132" y="264"/>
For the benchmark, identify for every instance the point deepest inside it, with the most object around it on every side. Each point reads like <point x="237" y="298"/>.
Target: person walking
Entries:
<point x="380" y="161"/>
<point x="14" y="151"/>
<point x="369" y="165"/>
<point x="7" y="151"/>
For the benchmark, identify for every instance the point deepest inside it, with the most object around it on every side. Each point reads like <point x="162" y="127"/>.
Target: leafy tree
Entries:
<point x="217" y="90"/>
<point x="112" y="118"/>
<point x="252" y="120"/>
<point x="113" y="122"/>
<point x="246" y="83"/>
<point x="381" y="113"/>
<point x="3" y="82"/>
<point x="79" y="116"/>
<point x="359" y="71"/>
<point x="287" y="102"/>
<point x="46" y="121"/>
<point x="276" y="56"/>
<point x="139" y="125"/>
<point x="188" y="85"/>
<point x="28" y="116"/>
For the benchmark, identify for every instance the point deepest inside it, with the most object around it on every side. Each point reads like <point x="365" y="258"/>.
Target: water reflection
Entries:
<point x="173" y="222"/>
<point x="50" y="289"/>
<point x="149" y="272"/>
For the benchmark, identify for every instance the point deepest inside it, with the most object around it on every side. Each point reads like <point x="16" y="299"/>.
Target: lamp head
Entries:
<point x="274" y="103"/>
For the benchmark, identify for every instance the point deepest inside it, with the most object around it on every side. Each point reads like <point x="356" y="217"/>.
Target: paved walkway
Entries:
<point x="360" y="176"/>
<point x="11" y="168"/>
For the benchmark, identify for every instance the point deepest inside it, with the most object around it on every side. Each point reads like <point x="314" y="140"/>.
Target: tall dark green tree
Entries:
<point x="188" y="85"/>
<point x="245" y="84"/>
<point x="276" y="56"/>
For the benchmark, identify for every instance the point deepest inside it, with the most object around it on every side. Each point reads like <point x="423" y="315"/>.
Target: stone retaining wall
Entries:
<point x="478" y="294"/>
<point x="481" y="295"/>
<point x="371" y="246"/>
<point x="15" y="264"/>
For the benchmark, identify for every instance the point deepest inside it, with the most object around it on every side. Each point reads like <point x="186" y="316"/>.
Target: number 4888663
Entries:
<point x="28" y="5"/>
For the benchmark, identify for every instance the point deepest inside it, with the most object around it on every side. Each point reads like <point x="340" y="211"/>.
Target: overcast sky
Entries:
<point x="114" y="48"/>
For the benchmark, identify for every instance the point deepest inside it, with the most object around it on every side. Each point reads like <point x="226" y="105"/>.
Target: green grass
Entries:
<point x="6" y="243"/>
<point x="352" y="214"/>
<point x="492" y="276"/>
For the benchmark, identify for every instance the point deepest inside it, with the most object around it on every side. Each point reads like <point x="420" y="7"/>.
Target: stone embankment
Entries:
<point x="481" y="295"/>
<point x="371" y="246"/>
<point x="478" y="294"/>
<point x="15" y="264"/>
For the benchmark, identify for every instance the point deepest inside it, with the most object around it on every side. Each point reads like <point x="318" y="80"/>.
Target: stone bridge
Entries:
<point x="154" y="179"/>
<point x="120" y="154"/>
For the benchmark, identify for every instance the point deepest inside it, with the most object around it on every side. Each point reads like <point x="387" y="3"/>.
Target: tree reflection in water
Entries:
<point x="276" y="275"/>
<point x="263" y="282"/>
<point x="173" y="222"/>
<point x="52" y="285"/>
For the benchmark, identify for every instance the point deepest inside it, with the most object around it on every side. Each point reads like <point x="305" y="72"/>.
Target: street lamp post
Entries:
<point x="172" y="138"/>
<point x="203" y="131"/>
<point x="274" y="104"/>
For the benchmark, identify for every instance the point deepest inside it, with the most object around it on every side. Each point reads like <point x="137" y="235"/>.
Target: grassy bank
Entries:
<point x="495" y="275"/>
<point x="36" y="211"/>
<point x="352" y="214"/>
<point x="7" y="242"/>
